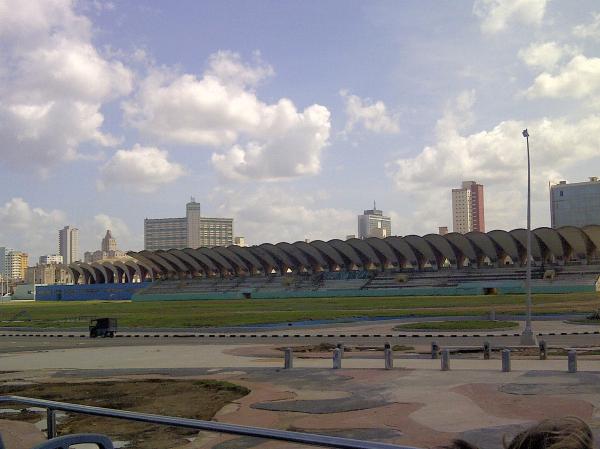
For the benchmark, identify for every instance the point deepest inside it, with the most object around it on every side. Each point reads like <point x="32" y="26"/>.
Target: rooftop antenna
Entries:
<point x="374" y="205"/>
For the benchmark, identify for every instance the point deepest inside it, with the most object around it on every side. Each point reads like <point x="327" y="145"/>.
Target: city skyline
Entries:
<point x="313" y="117"/>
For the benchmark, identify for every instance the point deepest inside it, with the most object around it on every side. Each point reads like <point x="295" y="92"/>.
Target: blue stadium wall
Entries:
<point x="92" y="292"/>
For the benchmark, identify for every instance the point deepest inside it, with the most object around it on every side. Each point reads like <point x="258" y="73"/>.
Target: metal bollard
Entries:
<point x="337" y="358"/>
<point x="506" y="360"/>
<point x="572" y="361"/>
<point x="543" y="350"/>
<point x="288" y="359"/>
<point x="445" y="360"/>
<point x="487" y="350"/>
<point x="388" y="356"/>
<point x="340" y="346"/>
<point x="435" y="349"/>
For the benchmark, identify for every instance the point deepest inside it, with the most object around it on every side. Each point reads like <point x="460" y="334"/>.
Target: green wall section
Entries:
<point x="460" y="290"/>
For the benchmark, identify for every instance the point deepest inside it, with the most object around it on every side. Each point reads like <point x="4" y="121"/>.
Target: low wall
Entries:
<point x="93" y="292"/>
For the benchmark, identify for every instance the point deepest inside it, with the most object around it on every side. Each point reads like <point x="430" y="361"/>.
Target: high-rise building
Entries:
<point x="193" y="231"/>
<point x="4" y="251"/>
<point x="16" y="265"/>
<point x="108" y="242"/>
<point x="374" y="224"/>
<point x="443" y="230"/>
<point x="239" y="241"/>
<point x="50" y="259"/>
<point x="576" y="204"/>
<point x="468" y="208"/>
<point x="68" y="244"/>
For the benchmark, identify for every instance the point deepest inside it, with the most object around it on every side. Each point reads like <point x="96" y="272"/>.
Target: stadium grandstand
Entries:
<point x="564" y="259"/>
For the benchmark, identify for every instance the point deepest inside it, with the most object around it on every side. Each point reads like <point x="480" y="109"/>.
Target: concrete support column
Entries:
<point x="506" y="360"/>
<point x="445" y="360"/>
<point x="288" y="359"/>
<point x="572" y="361"/>
<point x="337" y="358"/>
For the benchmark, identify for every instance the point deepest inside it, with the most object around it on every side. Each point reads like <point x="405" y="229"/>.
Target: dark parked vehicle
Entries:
<point x="103" y="327"/>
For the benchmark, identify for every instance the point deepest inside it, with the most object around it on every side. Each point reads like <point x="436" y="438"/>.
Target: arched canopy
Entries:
<point x="462" y="247"/>
<point x="102" y="277"/>
<point x="251" y="261"/>
<point x="365" y="252"/>
<point x="483" y="244"/>
<point x="209" y="265"/>
<point x="505" y="244"/>
<point x="403" y="249"/>
<point x="77" y="273"/>
<point x="143" y="267"/>
<point x="128" y="270"/>
<point x="551" y="241"/>
<point x="283" y="260"/>
<point x="177" y="263"/>
<point x="294" y="253"/>
<point x="383" y="250"/>
<point x="328" y="251"/>
<point x="422" y="249"/>
<point x="346" y="251"/>
<point x="593" y="234"/>
<point x="442" y="249"/>
<point x="233" y="259"/>
<point x="576" y="240"/>
<point x="520" y="236"/>
<point x="267" y="261"/>
<point x="192" y="264"/>
<point x="92" y="275"/>
<point x="112" y="272"/>
<point x="217" y="259"/>
<point x="312" y="253"/>
<point x="165" y="266"/>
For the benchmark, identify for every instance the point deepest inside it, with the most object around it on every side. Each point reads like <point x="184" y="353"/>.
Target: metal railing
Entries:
<point x="281" y="435"/>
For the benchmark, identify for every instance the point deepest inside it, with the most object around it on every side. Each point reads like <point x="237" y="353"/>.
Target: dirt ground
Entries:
<point x="197" y="399"/>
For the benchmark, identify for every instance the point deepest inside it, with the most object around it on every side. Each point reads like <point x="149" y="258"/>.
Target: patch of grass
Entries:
<point x="476" y="325"/>
<point x="173" y="314"/>
<point x="190" y="399"/>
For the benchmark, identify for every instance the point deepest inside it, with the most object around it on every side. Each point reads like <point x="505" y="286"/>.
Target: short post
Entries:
<point x="506" y="360"/>
<point x="288" y="359"/>
<point x="543" y="350"/>
<point x="337" y="358"/>
<point x="340" y="346"/>
<point x="572" y="357"/>
<point x="487" y="350"/>
<point x="445" y="360"/>
<point x="435" y="349"/>
<point x="387" y="345"/>
<point x="50" y="423"/>
<point x="388" y="355"/>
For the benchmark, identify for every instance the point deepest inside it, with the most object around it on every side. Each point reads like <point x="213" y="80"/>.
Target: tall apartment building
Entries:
<point x="4" y="251"/>
<point x="16" y="265"/>
<point x="374" y="224"/>
<point x="50" y="259"/>
<point x="576" y="204"/>
<point x="68" y="244"/>
<point x="192" y="231"/>
<point x="468" y="208"/>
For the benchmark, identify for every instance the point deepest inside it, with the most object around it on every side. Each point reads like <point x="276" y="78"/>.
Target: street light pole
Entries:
<point x="527" y="337"/>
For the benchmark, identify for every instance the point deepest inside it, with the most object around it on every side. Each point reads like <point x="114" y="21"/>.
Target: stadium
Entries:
<point x="565" y="260"/>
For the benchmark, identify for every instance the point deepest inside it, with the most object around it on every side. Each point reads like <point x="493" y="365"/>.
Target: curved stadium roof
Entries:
<point x="430" y="252"/>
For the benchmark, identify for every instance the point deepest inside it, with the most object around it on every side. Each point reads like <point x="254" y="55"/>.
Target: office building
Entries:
<point x="68" y="244"/>
<point x="108" y="250"/>
<point x="192" y="231"/>
<point x="4" y="251"/>
<point x="374" y="224"/>
<point x="16" y="265"/>
<point x="468" y="208"/>
<point x="576" y="204"/>
<point x="50" y="259"/>
<point x="108" y="242"/>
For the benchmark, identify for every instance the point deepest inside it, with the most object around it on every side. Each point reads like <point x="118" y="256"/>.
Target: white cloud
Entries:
<point x="545" y="55"/>
<point x="275" y="215"/>
<point x="497" y="159"/>
<point x="498" y="15"/>
<point x="53" y="83"/>
<point x="30" y="229"/>
<point x="579" y="78"/>
<point x="142" y="169"/>
<point x="255" y="140"/>
<point x="371" y="116"/>
<point x="590" y="30"/>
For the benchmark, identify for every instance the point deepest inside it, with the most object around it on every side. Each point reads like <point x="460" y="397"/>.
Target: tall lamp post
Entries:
<point x="527" y="337"/>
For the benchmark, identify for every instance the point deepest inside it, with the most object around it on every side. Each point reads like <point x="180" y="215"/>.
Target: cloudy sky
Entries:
<point x="290" y="116"/>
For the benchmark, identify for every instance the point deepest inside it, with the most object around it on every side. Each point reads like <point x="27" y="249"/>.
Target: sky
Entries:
<point x="289" y="116"/>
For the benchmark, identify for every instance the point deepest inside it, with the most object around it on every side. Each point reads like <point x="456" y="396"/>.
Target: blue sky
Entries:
<point x="290" y="117"/>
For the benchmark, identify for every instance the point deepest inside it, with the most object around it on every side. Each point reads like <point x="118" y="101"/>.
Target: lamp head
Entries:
<point x="525" y="133"/>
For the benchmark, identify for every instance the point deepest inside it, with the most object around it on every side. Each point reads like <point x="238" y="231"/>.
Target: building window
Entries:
<point x="561" y="193"/>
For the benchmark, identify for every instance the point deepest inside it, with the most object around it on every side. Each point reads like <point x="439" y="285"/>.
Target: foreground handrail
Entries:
<point x="212" y="426"/>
